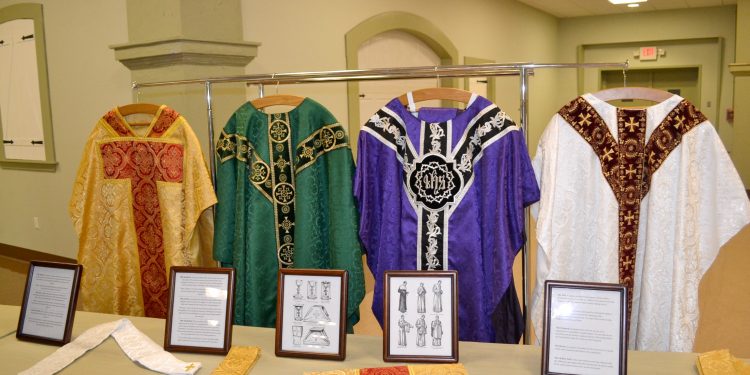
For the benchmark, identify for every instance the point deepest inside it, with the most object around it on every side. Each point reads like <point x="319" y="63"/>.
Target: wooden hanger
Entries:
<point x="139" y="108"/>
<point x="439" y="93"/>
<point x="145" y="108"/>
<point x="280" y="99"/>
<point x="643" y="93"/>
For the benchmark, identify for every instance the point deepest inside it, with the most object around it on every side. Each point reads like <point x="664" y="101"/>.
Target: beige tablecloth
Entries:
<point x="8" y="320"/>
<point x="361" y="351"/>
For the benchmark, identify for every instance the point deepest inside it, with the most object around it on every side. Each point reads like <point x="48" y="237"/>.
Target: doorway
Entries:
<point x="392" y="49"/>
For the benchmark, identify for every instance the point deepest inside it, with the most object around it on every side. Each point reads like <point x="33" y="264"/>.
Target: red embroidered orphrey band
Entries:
<point x="146" y="162"/>
<point x="628" y="165"/>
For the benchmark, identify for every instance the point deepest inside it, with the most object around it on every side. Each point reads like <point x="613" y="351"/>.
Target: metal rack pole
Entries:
<point x="353" y="75"/>
<point x="443" y="71"/>
<point x="210" y="113"/>
<point x="525" y="264"/>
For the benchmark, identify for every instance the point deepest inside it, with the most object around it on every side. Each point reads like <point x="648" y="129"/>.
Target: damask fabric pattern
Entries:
<point x="138" y="208"/>
<point x="640" y="197"/>
<point x="446" y="189"/>
<point x="721" y="362"/>
<point x="239" y="361"/>
<point x="285" y="200"/>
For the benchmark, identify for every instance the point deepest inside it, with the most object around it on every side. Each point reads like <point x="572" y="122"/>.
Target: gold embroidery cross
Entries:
<point x="629" y="218"/>
<point x="281" y="163"/>
<point x="628" y="262"/>
<point x="630" y="172"/>
<point x="608" y="154"/>
<point x="584" y="119"/>
<point x="328" y="139"/>
<point x="680" y="121"/>
<point x="307" y="152"/>
<point x="189" y="367"/>
<point x="632" y="124"/>
<point x="286" y="225"/>
<point x="259" y="173"/>
<point x="651" y="159"/>
<point x="278" y="132"/>
<point x="284" y="194"/>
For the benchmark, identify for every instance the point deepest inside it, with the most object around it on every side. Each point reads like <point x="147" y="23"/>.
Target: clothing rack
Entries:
<point x="523" y="70"/>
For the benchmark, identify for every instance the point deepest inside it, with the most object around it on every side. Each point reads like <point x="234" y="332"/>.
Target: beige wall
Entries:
<point x="85" y="80"/>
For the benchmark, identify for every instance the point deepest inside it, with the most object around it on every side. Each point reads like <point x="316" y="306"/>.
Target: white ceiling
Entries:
<point x="578" y="8"/>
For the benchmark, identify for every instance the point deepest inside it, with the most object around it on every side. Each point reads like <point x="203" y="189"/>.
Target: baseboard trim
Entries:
<point x="28" y="255"/>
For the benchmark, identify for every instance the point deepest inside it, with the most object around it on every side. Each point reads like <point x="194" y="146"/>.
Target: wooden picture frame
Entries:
<point x="427" y="302"/>
<point x="311" y="313"/>
<point x="585" y="325"/>
<point x="201" y="310"/>
<point x="49" y="302"/>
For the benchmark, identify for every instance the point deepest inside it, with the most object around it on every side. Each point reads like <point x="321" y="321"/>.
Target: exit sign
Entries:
<point x="648" y="53"/>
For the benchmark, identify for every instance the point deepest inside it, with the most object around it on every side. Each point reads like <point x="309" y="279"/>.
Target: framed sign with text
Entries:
<point x="420" y="316"/>
<point x="201" y="310"/>
<point x="49" y="302"/>
<point x="311" y="313"/>
<point x="584" y="329"/>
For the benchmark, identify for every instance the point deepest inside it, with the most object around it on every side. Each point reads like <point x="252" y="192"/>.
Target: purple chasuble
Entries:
<point x="446" y="189"/>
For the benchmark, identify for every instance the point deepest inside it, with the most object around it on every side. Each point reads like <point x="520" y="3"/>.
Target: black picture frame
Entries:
<point x="397" y="329"/>
<point x="304" y="326"/>
<point x="187" y="305"/>
<point x="49" y="302"/>
<point x="585" y="295"/>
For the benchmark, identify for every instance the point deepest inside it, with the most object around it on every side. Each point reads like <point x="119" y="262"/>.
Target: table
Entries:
<point x="361" y="351"/>
<point x="9" y="319"/>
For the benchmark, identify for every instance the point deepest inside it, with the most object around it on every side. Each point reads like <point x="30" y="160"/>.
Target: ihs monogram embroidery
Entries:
<point x="434" y="182"/>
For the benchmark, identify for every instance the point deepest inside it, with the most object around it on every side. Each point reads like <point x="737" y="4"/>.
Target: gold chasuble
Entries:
<point x="138" y="207"/>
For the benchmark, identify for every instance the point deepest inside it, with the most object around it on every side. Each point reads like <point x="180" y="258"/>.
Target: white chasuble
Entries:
<point x="640" y="197"/>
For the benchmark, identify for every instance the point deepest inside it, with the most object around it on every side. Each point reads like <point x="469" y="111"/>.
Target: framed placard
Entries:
<point x="49" y="302"/>
<point x="311" y="313"/>
<point x="420" y="316"/>
<point x="201" y="310"/>
<point x="584" y="329"/>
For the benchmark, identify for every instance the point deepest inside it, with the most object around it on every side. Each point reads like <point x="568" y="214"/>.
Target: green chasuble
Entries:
<point x="284" y="185"/>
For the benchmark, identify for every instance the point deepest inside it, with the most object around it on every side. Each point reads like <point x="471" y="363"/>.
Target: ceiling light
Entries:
<point x="617" y="2"/>
<point x="633" y="5"/>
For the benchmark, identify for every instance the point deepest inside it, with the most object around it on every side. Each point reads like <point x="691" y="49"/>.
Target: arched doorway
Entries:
<point x="418" y="27"/>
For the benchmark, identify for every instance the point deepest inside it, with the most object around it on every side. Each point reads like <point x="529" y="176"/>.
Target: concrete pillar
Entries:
<point x="186" y="39"/>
